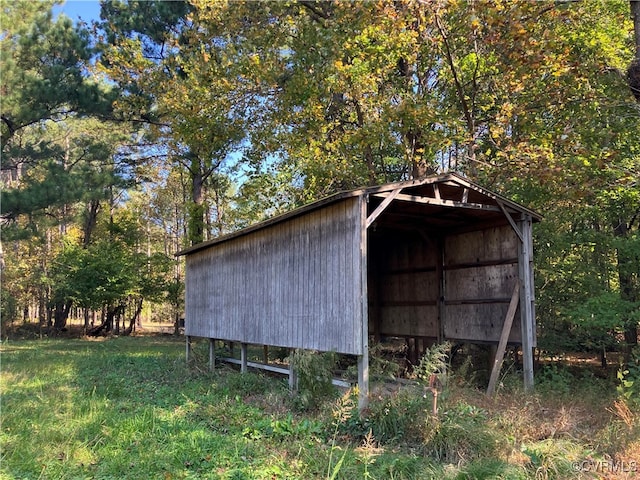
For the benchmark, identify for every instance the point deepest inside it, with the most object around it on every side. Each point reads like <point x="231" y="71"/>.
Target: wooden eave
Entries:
<point x="444" y="201"/>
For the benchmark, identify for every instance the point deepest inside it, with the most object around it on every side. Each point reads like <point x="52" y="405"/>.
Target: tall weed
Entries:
<point x="314" y="372"/>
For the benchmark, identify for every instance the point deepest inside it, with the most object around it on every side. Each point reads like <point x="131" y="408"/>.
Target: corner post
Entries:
<point x="525" y="273"/>
<point x="363" y="359"/>
<point x="188" y="348"/>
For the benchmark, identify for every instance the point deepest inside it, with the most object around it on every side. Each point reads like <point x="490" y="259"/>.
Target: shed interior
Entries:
<point x="442" y="263"/>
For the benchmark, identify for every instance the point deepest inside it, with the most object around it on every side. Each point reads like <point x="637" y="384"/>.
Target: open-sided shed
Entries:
<point x="435" y="258"/>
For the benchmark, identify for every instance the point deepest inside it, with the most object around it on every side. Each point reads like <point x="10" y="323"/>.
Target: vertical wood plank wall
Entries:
<point x="405" y="282"/>
<point x="293" y="284"/>
<point x="480" y="269"/>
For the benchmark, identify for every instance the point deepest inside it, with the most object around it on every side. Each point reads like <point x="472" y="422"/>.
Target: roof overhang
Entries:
<point x="446" y="201"/>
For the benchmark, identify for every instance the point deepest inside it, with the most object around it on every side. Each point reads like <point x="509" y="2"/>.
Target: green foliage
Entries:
<point x="555" y="458"/>
<point x="44" y="66"/>
<point x="458" y="434"/>
<point x="131" y="408"/>
<point x="435" y="361"/>
<point x="390" y="419"/>
<point x="629" y="380"/>
<point x="314" y="372"/>
<point x="554" y="378"/>
<point x="8" y="307"/>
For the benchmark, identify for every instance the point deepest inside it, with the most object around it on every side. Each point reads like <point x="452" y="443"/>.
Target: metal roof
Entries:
<point x="426" y="197"/>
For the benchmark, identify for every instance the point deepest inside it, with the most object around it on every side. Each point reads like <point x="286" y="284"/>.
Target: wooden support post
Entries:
<point x="212" y="354"/>
<point x="363" y="359"/>
<point x="363" y="380"/>
<point x="243" y="357"/>
<point x="526" y="299"/>
<point x="293" y="378"/>
<point x="265" y="353"/>
<point x="441" y="288"/>
<point x="504" y="338"/>
<point x="188" y="352"/>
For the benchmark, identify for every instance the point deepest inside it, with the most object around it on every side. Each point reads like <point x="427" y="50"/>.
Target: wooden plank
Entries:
<point x="440" y="202"/>
<point x="482" y="283"/>
<point x="515" y="227"/>
<point x="287" y="285"/>
<point x="504" y="337"/>
<point x="441" y="289"/>
<point x="385" y="203"/>
<point x="485" y="263"/>
<point x="495" y="245"/>
<point x="277" y="369"/>
<point x="293" y="379"/>
<point x="526" y="302"/>
<point x="477" y="301"/>
<point x="408" y="303"/>
<point x="363" y="358"/>
<point x="479" y="323"/>
<point x="421" y="321"/>
<point x="243" y="358"/>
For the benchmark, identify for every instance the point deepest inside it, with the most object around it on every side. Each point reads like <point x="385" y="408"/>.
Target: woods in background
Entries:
<point x="167" y="123"/>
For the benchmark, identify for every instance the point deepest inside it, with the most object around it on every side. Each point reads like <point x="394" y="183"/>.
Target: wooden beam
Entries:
<point x="440" y="202"/>
<point x="293" y="378"/>
<point x="441" y="289"/>
<point x="526" y="300"/>
<point x="188" y="348"/>
<point x="477" y="301"/>
<point x="363" y="358"/>
<point x="277" y="369"/>
<point x="504" y="337"/>
<point x="511" y="221"/>
<point x="243" y="357"/>
<point x="388" y="198"/>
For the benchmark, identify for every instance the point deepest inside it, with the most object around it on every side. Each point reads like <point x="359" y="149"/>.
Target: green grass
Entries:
<point x="130" y="408"/>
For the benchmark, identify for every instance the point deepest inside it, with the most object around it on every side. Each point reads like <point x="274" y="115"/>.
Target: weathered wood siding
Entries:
<point x="403" y="286"/>
<point x="293" y="284"/>
<point x="480" y="269"/>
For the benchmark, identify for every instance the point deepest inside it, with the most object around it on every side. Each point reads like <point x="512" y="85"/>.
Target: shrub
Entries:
<point x="314" y="372"/>
<point x="629" y="380"/>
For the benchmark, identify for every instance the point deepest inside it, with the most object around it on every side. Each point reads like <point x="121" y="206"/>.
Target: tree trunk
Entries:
<point x="197" y="210"/>
<point x="107" y="325"/>
<point x="90" y="221"/>
<point x="635" y="16"/>
<point x="627" y="276"/>
<point x="132" y="322"/>
<point x="60" y="315"/>
<point x="86" y="321"/>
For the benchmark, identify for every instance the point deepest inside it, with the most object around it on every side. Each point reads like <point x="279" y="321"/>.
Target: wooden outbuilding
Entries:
<point x="438" y="258"/>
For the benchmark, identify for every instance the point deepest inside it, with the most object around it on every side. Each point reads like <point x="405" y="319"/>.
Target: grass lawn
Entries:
<point x="130" y="408"/>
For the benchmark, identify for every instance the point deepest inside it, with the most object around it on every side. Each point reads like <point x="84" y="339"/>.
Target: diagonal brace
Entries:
<point x="385" y="203"/>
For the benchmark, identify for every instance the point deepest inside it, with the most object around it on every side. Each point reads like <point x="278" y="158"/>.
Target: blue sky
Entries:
<point x="86" y="10"/>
